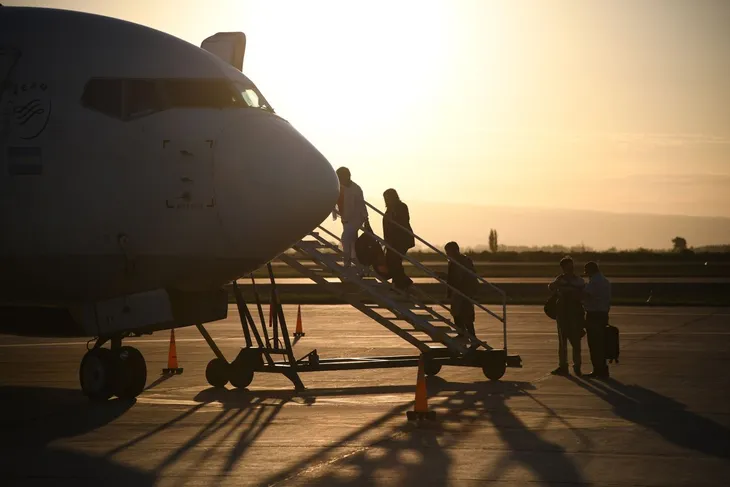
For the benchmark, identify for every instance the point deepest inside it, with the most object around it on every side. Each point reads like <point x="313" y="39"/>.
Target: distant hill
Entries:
<point x="470" y="224"/>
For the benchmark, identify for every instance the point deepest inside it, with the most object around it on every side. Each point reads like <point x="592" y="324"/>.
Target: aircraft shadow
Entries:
<point x="33" y="417"/>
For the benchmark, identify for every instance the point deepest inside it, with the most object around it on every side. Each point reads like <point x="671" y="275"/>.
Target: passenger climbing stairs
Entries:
<point x="421" y="320"/>
<point x="411" y="315"/>
<point x="406" y="314"/>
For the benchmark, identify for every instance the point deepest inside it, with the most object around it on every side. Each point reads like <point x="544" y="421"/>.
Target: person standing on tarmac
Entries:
<point x="352" y="211"/>
<point x="597" y="303"/>
<point x="569" y="287"/>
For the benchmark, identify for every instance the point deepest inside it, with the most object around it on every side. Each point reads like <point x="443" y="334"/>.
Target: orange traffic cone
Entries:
<point x="298" y="333"/>
<point x="421" y="412"/>
<point x="172" y="367"/>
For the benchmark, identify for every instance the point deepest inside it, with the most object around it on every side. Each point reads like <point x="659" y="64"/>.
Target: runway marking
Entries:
<point x="436" y="402"/>
<point x="175" y="402"/>
<point x="162" y="400"/>
<point x="350" y="337"/>
<point x="660" y="311"/>
<point x="127" y="341"/>
<point x="629" y="313"/>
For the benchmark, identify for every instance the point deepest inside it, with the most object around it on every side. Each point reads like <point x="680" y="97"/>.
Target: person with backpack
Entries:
<point x="398" y="234"/>
<point x="597" y="303"/>
<point x="462" y="309"/>
<point x="569" y="311"/>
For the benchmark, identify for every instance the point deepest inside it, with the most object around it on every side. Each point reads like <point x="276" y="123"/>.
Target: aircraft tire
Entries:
<point x="432" y="368"/>
<point x="241" y="375"/>
<point x="216" y="373"/>
<point x="494" y="368"/>
<point x="131" y="376"/>
<point x="97" y="374"/>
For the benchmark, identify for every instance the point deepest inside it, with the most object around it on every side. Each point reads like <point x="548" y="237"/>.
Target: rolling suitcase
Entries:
<point x="370" y="254"/>
<point x="612" y="343"/>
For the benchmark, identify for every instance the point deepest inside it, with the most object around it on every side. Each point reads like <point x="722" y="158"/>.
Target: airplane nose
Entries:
<point x="272" y="186"/>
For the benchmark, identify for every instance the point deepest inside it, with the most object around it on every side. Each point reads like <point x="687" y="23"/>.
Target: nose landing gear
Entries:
<point x="96" y="374"/>
<point x="117" y="371"/>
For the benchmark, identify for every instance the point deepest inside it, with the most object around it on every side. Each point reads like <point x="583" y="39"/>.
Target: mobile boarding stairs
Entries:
<point x="421" y="320"/>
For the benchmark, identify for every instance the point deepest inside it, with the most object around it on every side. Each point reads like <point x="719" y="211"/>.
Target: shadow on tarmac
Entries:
<point x="33" y="417"/>
<point x="243" y="417"/>
<point x="662" y="414"/>
<point x="412" y="455"/>
<point x="387" y="446"/>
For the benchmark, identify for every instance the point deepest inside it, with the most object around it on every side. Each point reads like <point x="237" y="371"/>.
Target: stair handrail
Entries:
<point x="385" y="281"/>
<point x="435" y="276"/>
<point x="503" y="319"/>
<point x="433" y="313"/>
<point x="424" y="269"/>
<point x="439" y="252"/>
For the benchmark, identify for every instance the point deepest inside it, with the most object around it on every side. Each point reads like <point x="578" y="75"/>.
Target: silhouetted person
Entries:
<point x="597" y="303"/>
<point x="461" y="308"/>
<point x="352" y="211"/>
<point x="569" y="287"/>
<point x="397" y="234"/>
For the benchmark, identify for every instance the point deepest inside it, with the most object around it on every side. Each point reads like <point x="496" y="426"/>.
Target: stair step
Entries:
<point x="444" y="328"/>
<point x="399" y="309"/>
<point x="423" y="317"/>
<point x="423" y="322"/>
<point x="445" y="332"/>
<point x="310" y="243"/>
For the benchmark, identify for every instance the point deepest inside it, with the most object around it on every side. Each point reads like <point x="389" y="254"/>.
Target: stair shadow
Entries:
<point x="385" y="446"/>
<point x="242" y="398"/>
<point x="409" y="455"/>
<point x="159" y="381"/>
<point x="232" y="400"/>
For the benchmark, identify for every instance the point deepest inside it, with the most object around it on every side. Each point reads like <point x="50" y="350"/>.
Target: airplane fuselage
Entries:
<point x="132" y="162"/>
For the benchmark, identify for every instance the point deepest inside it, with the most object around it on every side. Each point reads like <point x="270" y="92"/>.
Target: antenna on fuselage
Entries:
<point x="229" y="46"/>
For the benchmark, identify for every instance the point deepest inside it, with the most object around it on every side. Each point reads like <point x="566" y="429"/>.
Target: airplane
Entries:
<point x="139" y="174"/>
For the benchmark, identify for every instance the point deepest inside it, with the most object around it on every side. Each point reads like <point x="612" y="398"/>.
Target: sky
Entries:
<point x="618" y="106"/>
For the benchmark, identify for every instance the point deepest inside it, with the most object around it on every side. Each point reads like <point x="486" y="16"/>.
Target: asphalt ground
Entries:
<point x="663" y="419"/>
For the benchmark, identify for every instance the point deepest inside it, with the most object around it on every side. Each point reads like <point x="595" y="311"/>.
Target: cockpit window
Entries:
<point x="251" y="98"/>
<point x="185" y="93"/>
<point x="129" y="99"/>
<point x="141" y="98"/>
<point x="104" y="95"/>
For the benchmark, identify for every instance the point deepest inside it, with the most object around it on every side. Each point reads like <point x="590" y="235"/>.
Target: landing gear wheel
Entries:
<point x="494" y="366"/>
<point x="96" y="374"/>
<point x="216" y="373"/>
<point x="241" y="375"/>
<point x="432" y="368"/>
<point x="131" y="375"/>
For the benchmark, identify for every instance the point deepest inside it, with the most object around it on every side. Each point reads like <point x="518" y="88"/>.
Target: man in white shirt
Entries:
<point x="352" y="211"/>
<point x="569" y="287"/>
<point x="597" y="303"/>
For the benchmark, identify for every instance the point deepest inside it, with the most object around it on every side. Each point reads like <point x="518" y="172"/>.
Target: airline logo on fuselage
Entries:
<point x="28" y="110"/>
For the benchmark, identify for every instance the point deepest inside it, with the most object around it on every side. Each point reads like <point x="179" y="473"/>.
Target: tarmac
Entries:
<point x="520" y="280"/>
<point x="663" y="419"/>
